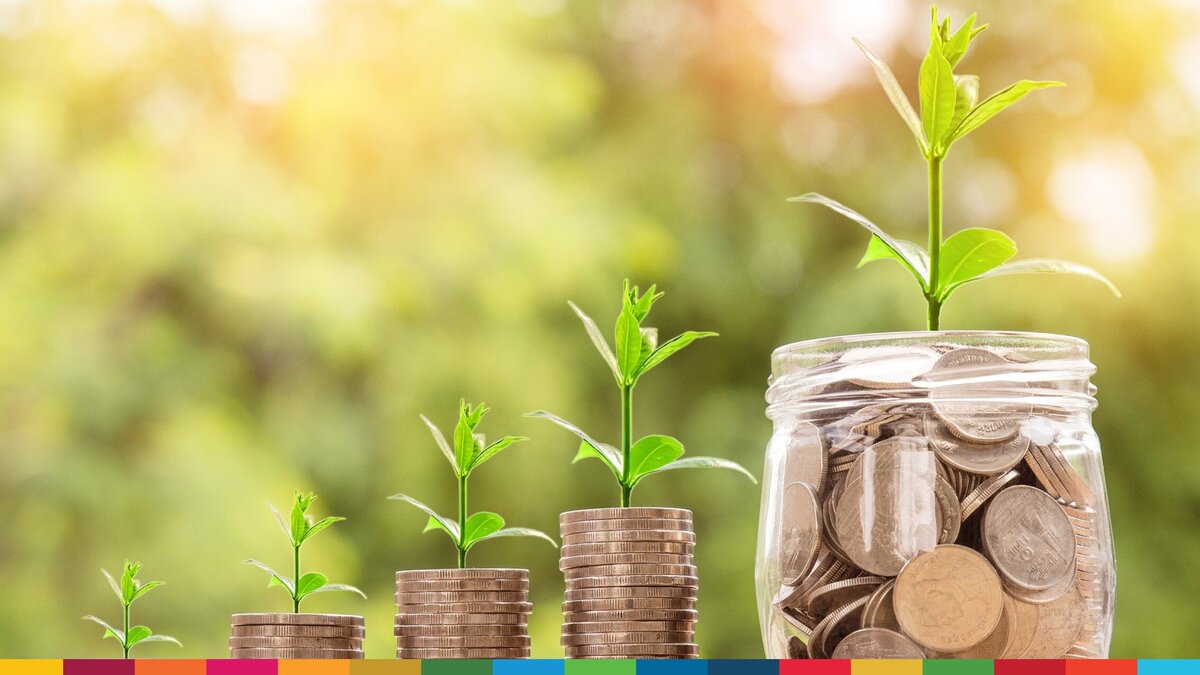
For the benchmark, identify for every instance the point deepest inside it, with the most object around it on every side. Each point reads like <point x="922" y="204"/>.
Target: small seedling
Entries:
<point x="298" y="529"/>
<point x="950" y="110"/>
<point x="469" y="451"/>
<point x="637" y="353"/>
<point x="127" y="591"/>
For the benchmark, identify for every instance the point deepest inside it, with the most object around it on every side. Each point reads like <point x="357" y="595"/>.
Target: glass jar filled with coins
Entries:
<point x="934" y="495"/>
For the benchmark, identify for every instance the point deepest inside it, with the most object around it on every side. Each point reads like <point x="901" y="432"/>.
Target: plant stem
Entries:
<point x="462" y="520"/>
<point x="626" y="441"/>
<point x="125" y="644"/>
<point x="935" y="240"/>
<point x="296" y="577"/>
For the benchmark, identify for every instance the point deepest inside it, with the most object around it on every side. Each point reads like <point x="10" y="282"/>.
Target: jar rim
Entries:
<point x="1047" y="339"/>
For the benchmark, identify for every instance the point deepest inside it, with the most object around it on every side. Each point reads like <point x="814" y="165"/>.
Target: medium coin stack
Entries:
<point x="297" y="636"/>
<point x="631" y="583"/>
<point x="936" y="521"/>
<point x="472" y="613"/>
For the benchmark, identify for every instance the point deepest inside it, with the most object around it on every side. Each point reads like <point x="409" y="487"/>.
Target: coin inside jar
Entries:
<point x="800" y="539"/>
<point x="948" y="599"/>
<point x="976" y="458"/>
<point x="965" y="400"/>
<point x="877" y="643"/>
<point x="1029" y="539"/>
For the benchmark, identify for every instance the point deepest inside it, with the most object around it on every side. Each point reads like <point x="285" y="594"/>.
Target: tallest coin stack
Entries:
<point x="631" y="583"/>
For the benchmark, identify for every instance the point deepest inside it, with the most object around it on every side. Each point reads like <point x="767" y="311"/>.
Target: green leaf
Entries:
<point x="896" y="95"/>
<point x="966" y="88"/>
<point x="937" y="98"/>
<point x="971" y="252"/>
<point x="705" y="463"/>
<point x="329" y="588"/>
<point x="299" y="522"/>
<point x="904" y="254"/>
<point x="586" y="451"/>
<point x="480" y="525"/>
<point x="519" y="532"/>
<point x="146" y="588"/>
<point x="283" y="524"/>
<point x="128" y="585"/>
<point x="318" y="526"/>
<point x="956" y="45"/>
<point x="309" y="583"/>
<point x="1044" y="266"/>
<point x="464" y="438"/>
<point x="115" y="633"/>
<point x="878" y="250"/>
<point x="606" y="453"/>
<point x="137" y="634"/>
<point x="441" y="442"/>
<point x="494" y="449"/>
<point x="113" y="584"/>
<point x="629" y="345"/>
<point x="670" y="347"/>
<point x="161" y="638"/>
<point x="651" y="454"/>
<point x="276" y="577"/>
<point x="992" y="105"/>
<point x="446" y="525"/>
<point x="641" y="304"/>
<point x="598" y="341"/>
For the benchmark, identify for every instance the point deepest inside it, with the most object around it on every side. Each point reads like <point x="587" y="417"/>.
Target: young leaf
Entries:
<point x="971" y="252"/>
<point x="328" y="588"/>
<point x="629" y="344"/>
<point x="464" y="437"/>
<point x="318" y="526"/>
<point x="276" y="577"/>
<point x="113" y="583"/>
<point x="598" y="340"/>
<point x="641" y="304"/>
<point x="704" y="463"/>
<point x="494" y="449"/>
<point x="480" y="525"/>
<point x="878" y="250"/>
<point x="283" y="524"/>
<point x="586" y="451"/>
<point x="1045" y="266"/>
<point x="128" y="585"/>
<point x="146" y="588"/>
<point x="992" y="105"/>
<point x="309" y="583"/>
<point x="161" y="638"/>
<point x="136" y="635"/>
<point x="607" y="453"/>
<point x="956" y="45"/>
<point x="299" y="522"/>
<point x="115" y="633"/>
<point x="447" y="525"/>
<point x="652" y="453"/>
<point x="441" y="441"/>
<point x="519" y="532"/>
<point x="902" y="254"/>
<point x="896" y="95"/>
<point x="966" y="93"/>
<point x="936" y="82"/>
<point x="670" y="347"/>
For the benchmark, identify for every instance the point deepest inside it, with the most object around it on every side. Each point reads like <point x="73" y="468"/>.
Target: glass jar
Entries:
<point x="934" y="495"/>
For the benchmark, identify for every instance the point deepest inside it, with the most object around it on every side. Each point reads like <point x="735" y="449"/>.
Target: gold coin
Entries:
<point x="624" y="512"/>
<point x="462" y="653"/>
<point x="237" y="642"/>
<point x="993" y="646"/>
<point x="606" y="604"/>
<point x="635" y="650"/>
<point x="877" y="643"/>
<point x="626" y="580"/>
<point x="624" y="559"/>
<point x="605" y="548"/>
<point x="582" y="526"/>
<point x="294" y="630"/>
<point x="460" y="596"/>
<point x="629" y="535"/>
<point x="594" y="627"/>
<point x="1024" y="628"/>
<point x="297" y="619"/>
<point x="462" y="641"/>
<point x="447" y="585"/>
<point x="468" y="573"/>
<point x="425" y="618"/>
<point x="451" y="630"/>
<point x="1059" y="624"/>
<point x="625" y="570"/>
<point x="630" y="592"/>
<point x="627" y="638"/>
<point x="948" y="599"/>
<point x="469" y="608"/>
<point x="632" y="615"/>
<point x="286" y="653"/>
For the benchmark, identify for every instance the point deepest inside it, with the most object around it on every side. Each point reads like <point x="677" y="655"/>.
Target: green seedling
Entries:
<point x="637" y="352"/>
<point x="470" y="450"/>
<point x="129" y="590"/>
<point x="298" y="529"/>
<point x="950" y="109"/>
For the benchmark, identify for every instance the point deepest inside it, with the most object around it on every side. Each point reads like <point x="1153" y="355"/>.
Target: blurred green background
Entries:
<point x="244" y="244"/>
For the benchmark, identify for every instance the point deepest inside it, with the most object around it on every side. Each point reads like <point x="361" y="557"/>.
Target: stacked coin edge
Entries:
<point x="296" y="636"/>
<point x="471" y="613"/>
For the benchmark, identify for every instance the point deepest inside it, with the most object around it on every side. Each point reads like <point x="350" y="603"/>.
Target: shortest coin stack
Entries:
<point x="297" y="636"/>
<point x="462" y="614"/>
<point x="631" y="583"/>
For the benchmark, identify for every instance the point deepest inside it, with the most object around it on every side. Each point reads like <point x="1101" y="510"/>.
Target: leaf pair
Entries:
<point x="310" y="583"/>
<point x="136" y="635"/>
<point x="637" y="349"/>
<point x="478" y="527"/>
<point x="470" y="449"/>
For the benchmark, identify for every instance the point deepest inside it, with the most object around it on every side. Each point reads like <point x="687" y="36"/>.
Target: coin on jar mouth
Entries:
<point x="948" y="599"/>
<point x="986" y="490"/>
<point x="879" y="612"/>
<point x="976" y="458"/>
<point x="806" y="459"/>
<point x="877" y="643"/>
<point x="970" y="407"/>
<point x="1029" y="539"/>
<point x="1059" y="624"/>
<point x="886" y="367"/>
<point x="800" y="537"/>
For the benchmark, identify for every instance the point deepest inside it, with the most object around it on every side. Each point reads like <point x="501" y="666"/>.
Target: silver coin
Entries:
<point x="800" y="536"/>
<point x="963" y="398"/>
<point x="977" y="458"/>
<point x="1029" y="539"/>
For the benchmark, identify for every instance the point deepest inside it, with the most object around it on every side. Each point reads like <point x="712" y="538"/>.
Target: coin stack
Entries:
<point x="936" y="521"/>
<point x="297" y="636"/>
<point x="473" y="613"/>
<point x="631" y="583"/>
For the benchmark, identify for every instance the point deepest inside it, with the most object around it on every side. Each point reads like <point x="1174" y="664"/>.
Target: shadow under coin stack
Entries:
<point x="463" y="614"/>
<point x="297" y="636"/>
<point x="631" y="583"/>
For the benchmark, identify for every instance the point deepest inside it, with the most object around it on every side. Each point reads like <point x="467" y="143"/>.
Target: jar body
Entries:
<point x="934" y="495"/>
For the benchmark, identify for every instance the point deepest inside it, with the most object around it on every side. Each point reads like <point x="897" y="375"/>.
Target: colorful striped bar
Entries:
<point x="596" y="667"/>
